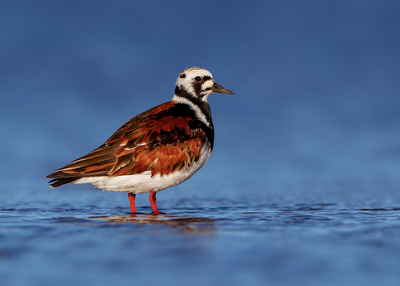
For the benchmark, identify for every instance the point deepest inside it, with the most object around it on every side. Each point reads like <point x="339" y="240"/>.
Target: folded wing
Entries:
<point x="146" y="143"/>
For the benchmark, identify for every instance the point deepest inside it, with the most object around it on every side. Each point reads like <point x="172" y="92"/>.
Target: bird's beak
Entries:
<point x="220" y="89"/>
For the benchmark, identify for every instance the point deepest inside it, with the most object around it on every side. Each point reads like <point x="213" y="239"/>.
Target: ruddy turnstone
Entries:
<point x="157" y="149"/>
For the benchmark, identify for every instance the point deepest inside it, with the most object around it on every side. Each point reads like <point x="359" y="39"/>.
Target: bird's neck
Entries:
<point x="200" y="107"/>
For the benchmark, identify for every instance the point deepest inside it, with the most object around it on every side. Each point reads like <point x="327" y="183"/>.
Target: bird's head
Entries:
<point x="198" y="83"/>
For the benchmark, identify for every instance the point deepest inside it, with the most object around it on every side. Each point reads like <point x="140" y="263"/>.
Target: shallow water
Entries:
<point x="82" y="236"/>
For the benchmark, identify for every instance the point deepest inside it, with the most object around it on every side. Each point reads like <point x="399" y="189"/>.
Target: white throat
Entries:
<point x="200" y="115"/>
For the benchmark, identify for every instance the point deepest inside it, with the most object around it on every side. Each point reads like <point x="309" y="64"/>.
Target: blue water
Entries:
<point x="344" y="237"/>
<point x="302" y="188"/>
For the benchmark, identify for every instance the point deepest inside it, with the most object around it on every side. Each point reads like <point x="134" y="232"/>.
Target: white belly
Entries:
<point x="144" y="182"/>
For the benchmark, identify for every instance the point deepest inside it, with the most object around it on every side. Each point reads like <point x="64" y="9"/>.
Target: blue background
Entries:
<point x="317" y="83"/>
<point x="316" y="111"/>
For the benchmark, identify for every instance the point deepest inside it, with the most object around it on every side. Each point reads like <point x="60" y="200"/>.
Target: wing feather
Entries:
<point x="148" y="142"/>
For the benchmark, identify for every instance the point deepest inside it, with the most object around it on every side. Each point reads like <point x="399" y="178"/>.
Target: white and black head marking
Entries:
<point x="193" y="87"/>
<point x="198" y="83"/>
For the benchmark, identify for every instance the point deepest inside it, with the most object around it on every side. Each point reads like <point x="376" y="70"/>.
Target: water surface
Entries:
<point x="86" y="237"/>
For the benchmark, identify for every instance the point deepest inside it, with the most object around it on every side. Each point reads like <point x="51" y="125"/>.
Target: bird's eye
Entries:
<point x="197" y="78"/>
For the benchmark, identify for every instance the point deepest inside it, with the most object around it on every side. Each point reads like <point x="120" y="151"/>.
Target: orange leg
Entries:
<point x="132" y="197"/>
<point x="152" y="198"/>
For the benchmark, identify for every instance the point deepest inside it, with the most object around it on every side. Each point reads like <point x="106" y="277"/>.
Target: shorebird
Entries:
<point x="157" y="149"/>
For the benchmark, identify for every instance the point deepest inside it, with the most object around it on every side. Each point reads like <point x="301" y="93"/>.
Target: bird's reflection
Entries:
<point x="185" y="224"/>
